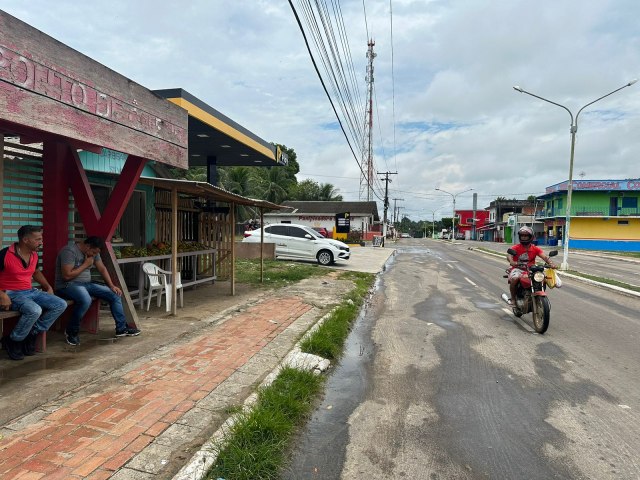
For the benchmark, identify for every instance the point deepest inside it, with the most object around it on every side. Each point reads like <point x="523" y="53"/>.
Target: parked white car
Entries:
<point x="300" y="241"/>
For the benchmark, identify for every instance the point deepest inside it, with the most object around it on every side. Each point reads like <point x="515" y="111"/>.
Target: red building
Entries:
<point x="465" y="222"/>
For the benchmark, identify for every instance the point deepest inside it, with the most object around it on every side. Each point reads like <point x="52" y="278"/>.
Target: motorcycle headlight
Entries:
<point x="538" y="277"/>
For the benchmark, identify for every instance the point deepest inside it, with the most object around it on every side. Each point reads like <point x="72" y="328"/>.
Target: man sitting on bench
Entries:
<point x="73" y="281"/>
<point x="18" y="265"/>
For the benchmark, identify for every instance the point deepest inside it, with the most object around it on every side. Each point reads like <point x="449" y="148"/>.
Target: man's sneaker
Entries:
<point x="13" y="348"/>
<point x="128" y="332"/>
<point x="72" y="338"/>
<point x="29" y="344"/>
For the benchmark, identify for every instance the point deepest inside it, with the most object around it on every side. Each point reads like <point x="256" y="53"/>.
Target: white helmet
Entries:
<point x="525" y="232"/>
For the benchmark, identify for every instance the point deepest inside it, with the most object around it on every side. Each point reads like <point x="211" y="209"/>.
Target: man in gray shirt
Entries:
<point x="73" y="281"/>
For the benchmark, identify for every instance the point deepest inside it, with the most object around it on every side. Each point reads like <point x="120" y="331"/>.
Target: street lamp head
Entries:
<point x="519" y="89"/>
<point x="632" y="82"/>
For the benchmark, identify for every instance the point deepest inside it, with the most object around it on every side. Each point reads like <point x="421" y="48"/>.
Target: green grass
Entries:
<point x="257" y="444"/>
<point x="258" y="441"/>
<point x="277" y="273"/>
<point x="608" y="281"/>
<point x="328" y="340"/>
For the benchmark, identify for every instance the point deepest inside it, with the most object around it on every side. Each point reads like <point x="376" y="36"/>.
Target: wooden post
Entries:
<point x="233" y="248"/>
<point x="261" y="245"/>
<point x="55" y="204"/>
<point x="174" y="250"/>
<point x="1" y="188"/>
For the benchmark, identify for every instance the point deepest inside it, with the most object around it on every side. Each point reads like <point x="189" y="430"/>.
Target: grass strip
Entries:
<point x="328" y="339"/>
<point x="608" y="281"/>
<point x="277" y="273"/>
<point x="258" y="441"/>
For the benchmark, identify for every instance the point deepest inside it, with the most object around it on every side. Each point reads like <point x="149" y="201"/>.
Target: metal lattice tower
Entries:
<point x="366" y="176"/>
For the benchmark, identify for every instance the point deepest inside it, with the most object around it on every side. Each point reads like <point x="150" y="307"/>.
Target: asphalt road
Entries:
<point x="623" y="269"/>
<point x="440" y="381"/>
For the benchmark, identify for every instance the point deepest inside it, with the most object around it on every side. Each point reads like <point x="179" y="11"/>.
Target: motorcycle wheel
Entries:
<point x="543" y="310"/>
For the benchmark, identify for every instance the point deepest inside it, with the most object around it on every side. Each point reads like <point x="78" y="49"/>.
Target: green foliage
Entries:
<point x="310" y="190"/>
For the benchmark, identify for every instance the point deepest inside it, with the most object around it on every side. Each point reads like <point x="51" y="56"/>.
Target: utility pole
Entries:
<point x="386" y="201"/>
<point x="395" y="218"/>
<point x="366" y="177"/>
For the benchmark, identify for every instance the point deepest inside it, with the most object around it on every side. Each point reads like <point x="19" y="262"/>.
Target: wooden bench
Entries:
<point x="90" y="322"/>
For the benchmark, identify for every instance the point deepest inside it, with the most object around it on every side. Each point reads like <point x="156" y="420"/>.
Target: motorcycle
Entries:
<point x="531" y="295"/>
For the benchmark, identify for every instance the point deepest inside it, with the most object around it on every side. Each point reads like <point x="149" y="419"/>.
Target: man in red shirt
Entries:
<point x="525" y="235"/>
<point x="39" y="308"/>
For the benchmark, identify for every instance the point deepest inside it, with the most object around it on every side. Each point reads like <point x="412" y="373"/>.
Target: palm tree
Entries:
<point x="328" y="193"/>
<point x="239" y="180"/>
<point x="274" y="184"/>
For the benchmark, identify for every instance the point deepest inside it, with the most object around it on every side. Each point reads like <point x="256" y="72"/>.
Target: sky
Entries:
<point x="445" y="114"/>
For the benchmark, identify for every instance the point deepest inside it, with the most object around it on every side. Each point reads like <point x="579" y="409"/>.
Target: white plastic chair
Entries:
<point x="160" y="280"/>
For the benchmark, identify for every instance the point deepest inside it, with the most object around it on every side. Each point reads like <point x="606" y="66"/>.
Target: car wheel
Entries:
<point x="325" y="257"/>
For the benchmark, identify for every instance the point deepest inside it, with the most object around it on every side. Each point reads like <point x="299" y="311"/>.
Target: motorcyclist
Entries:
<point x="525" y="235"/>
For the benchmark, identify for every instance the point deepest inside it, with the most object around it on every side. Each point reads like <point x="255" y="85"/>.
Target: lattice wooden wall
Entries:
<point x="211" y="229"/>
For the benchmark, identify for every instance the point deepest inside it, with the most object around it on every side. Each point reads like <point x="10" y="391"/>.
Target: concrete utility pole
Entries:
<point x="386" y="201"/>
<point x="395" y="218"/>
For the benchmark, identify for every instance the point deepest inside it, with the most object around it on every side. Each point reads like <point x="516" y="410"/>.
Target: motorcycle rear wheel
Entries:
<point x="543" y="311"/>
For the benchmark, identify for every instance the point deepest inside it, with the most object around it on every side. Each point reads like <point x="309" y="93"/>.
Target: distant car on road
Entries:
<point x="460" y="236"/>
<point x="405" y="235"/>
<point x="322" y="231"/>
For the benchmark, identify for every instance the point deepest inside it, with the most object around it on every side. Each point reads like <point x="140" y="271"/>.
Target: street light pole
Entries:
<point x="573" y="129"/>
<point x="453" y="217"/>
<point x="433" y="222"/>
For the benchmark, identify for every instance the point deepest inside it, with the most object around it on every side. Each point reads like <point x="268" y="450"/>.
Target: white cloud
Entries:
<point x="449" y="118"/>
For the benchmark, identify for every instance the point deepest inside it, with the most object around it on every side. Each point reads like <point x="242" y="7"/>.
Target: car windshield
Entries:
<point x="312" y="232"/>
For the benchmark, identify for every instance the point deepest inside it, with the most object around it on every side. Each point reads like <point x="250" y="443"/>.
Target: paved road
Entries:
<point x="440" y="381"/>
<point x="623" y="269"/>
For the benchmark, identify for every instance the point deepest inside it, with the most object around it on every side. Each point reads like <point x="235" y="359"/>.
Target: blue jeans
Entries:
<point x="31" y="303"/>
<point x="81" y="293"/>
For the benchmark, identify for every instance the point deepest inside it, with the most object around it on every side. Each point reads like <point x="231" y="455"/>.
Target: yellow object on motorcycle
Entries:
<point x="551" y="278"/>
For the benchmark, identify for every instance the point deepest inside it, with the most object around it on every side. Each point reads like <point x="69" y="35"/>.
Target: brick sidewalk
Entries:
<point x="95" y="435"/>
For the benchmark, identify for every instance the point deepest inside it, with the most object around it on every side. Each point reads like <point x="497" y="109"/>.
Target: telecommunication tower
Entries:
<point x="366" y="176"/>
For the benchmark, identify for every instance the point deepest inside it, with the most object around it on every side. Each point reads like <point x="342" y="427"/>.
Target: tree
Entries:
<point x="328" y="193"/>
<point x="274" y="185"/>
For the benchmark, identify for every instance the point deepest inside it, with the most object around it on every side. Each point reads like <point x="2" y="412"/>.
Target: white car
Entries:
<point x="300" y="241"/>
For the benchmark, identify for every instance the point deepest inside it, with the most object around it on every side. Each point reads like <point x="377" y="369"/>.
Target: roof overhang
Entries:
<point x="212" y="134"/>
<point x="206" y="190"/>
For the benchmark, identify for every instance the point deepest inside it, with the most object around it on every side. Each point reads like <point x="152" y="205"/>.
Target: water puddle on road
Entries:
<point x="321" y="446"/>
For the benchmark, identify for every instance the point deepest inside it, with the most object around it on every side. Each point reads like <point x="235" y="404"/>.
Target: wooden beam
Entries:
<point x="233" y="248"/>
<point x="261" y="245"/>
<point x="174" y="251"/>
<point x="1" y="187"/>
<point x="55" y="204"/>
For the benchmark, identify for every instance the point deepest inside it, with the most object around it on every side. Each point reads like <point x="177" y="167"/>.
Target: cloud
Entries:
<point x="445" y="113"/>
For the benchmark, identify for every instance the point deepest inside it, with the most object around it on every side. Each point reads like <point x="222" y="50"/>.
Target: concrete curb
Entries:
<point x="200" y="463"/>
<point x="606" y="286"/>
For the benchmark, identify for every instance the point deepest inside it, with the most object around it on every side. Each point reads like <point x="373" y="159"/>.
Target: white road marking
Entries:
<point x="624" y="406"/>
<point x="448" y="265"/>
<point x="470" y="282"/>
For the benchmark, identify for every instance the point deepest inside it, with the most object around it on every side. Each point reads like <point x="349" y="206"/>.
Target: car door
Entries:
<point x="278" y="234"/>
<point x="300" y="245"/>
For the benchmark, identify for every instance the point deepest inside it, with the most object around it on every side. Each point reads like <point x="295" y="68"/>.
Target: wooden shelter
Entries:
<point x="54" y="102"/>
